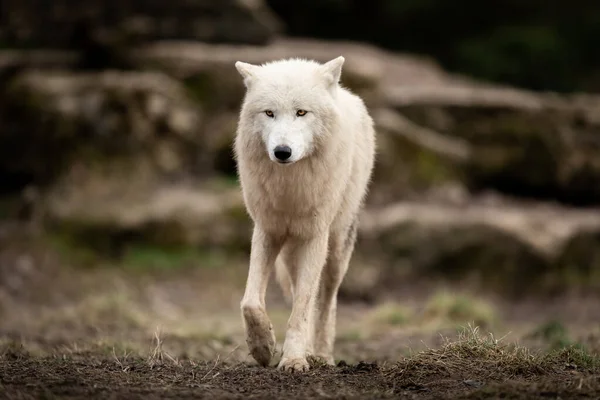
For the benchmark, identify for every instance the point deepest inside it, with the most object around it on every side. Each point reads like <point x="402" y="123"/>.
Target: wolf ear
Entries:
<point x="333" y="70"/>
<point x="247" y="71"/>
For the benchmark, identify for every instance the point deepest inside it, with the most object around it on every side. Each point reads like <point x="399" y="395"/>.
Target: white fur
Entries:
<point x="305" y="212"/>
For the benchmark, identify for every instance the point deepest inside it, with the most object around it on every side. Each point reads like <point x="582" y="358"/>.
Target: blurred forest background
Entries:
<point x="117" y="118"/>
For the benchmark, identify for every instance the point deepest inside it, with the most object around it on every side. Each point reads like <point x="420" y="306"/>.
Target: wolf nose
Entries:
<point x="282" y="153"/>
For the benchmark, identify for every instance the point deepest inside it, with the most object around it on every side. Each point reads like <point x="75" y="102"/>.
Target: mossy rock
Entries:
<point x="404" y="169"/>
<point x="216" y="88"/>
<point x="108" y="216"/>
<point x="579" y="264"/>
<point x="545" y="148"/>
<point x="479" y="256"/>
<point x="55" y="120"/>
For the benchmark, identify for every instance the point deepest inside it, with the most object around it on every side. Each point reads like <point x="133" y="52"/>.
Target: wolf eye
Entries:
<point x="269" y="113"/>
<point x="301" y="113"/>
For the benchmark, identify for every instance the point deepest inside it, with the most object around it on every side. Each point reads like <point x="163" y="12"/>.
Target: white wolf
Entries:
<point x="305" y="149"/>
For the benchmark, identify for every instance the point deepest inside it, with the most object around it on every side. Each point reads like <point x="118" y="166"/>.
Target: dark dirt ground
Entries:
<point x="123" y="333"/>
<point x="464" y="369"/>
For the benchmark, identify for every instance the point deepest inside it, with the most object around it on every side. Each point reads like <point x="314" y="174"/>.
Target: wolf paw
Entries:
<point x="260" y="335"/>
<point x="324" y="359"/>
<point x="293" y="365"/>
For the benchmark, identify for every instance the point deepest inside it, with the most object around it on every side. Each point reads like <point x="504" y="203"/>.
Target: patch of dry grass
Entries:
<point x="476" y="360"/>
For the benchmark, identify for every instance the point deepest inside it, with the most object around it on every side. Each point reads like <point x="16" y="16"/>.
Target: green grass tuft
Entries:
<point x="460" y="308"/>
<point x="152" y="257"/>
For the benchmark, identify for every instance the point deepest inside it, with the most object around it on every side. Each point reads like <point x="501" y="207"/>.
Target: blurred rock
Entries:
<point x="110" y="153"/>
<point x="209" y="68"/>
<point x="579" y="263"/>
<point x="362" y="281"/>
<point x="515" y="248"/>
<point x="109" y="217"/>
<point x="64" y="123"/>
<point x="520" y="143"/>
<point x="15" y="60"/>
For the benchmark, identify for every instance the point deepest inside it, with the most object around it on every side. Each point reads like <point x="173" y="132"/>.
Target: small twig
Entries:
<point x="231" y="353"/>
<point x="212" y="369"/>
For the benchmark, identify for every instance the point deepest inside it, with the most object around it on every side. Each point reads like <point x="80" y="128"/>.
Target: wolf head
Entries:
<point x="290" y="104"/>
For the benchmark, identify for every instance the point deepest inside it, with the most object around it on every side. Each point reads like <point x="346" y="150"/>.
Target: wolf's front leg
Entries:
<point x="305" y="259"/>
<point x="260" y="336"/>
